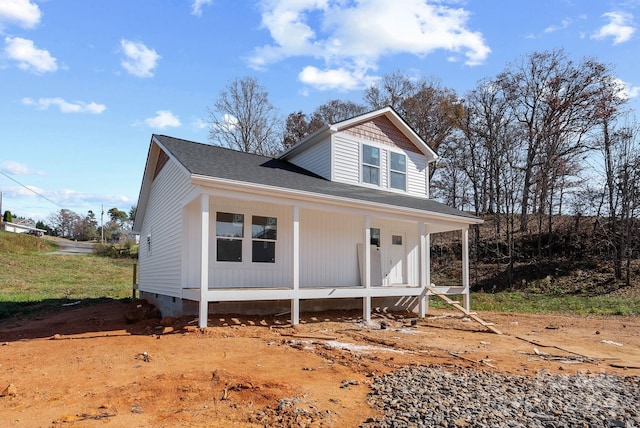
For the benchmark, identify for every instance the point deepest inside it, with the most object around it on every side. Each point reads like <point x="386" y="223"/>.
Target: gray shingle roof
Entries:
<point x="219" y="162"/>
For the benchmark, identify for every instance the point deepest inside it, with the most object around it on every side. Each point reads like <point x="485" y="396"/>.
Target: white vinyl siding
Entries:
<point x="160" y="251"/>
<point x="328" y="248"/>
<point x="316" y="159"/>
<point x="346" y="163"/>
<point x="417" y="175"/>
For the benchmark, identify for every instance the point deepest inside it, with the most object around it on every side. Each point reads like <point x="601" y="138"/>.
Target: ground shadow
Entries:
<point x="64" y="319"/>
<point x="48" y="318"/>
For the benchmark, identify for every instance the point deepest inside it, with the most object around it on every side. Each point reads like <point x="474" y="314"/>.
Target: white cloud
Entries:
<point x="17" y="168"/>
<point x="196" y="6"/>
<point x="626" y="91"/>
<point x="28" y="56"/>
<point x="620" y="27"/>
<point x="350" y="37"/>
<point x="199" y="123"/>
<point x="163" y="119"/>
<point x="22" y="191"/>
<point x="340" y="78"/>
<point x="22" y="12"/>
<point x="228" y="123"/>
<point x="139" y="60"/>
<point x="74" y="197"/>
<point x="563" y="25"/>
<point x="65" y="106"/>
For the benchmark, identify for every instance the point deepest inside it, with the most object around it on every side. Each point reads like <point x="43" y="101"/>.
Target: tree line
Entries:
<point x="68" y="224"/>
<point x="546" y="137"/>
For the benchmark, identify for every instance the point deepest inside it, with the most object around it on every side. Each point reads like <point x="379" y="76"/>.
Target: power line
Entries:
<point x="30" y="189"/>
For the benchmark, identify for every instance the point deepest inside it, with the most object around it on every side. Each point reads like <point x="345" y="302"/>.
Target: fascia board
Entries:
<point x="307" y="141"/>
<point x="150" y="166"/>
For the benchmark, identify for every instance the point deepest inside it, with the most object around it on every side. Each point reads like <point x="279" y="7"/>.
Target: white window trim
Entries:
<point x="390" y="170"/>
<point x="247" y="239"/>
<point x="362" y="165"/>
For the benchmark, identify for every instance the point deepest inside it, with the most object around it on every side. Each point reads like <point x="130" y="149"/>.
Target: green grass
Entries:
<point x="559" y="304"/>
<point x="20" y="243"/>
<point x="33" y="280"/>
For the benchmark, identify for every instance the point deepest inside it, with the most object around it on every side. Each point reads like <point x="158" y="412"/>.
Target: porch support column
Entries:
<point x="465" y="268"/>
<point x="295" y="273"/>
<point x="204" y="261"/>
<point x="425" y="269"/>
<point x="366" y="302"/>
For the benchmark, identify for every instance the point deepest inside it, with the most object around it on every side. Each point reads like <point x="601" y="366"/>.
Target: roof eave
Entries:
<point x="208" y="181"/>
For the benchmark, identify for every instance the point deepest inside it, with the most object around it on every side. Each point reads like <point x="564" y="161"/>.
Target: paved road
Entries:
<point x="73" y="247"/>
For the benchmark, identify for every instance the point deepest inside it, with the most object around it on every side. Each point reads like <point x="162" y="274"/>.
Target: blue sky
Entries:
<point x="84" y="84"/>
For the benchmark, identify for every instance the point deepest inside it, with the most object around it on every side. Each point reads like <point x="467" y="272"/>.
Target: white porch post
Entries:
<point x="425" y="269"/>
<point x="204" y="261"/>
<point x="465" y="268"/>
<point x="427" y="241"/>
<point x="295" y="302"/>
<point x="366" y="303"/>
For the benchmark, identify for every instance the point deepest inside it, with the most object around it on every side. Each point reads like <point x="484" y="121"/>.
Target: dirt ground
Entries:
<point x="86" y="367"/>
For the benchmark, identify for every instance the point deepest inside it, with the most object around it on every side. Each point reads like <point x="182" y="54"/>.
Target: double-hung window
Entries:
<point x="370" y="165"/>
<point x="398" y="171"/>
<point x="264" y="232"/>
<point x="230" y="237"/>
<point x="229" y="234"/>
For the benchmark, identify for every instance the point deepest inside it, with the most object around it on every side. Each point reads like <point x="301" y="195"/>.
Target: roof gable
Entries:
<point x="383" y="125"/>
<point x="381" y="130"/>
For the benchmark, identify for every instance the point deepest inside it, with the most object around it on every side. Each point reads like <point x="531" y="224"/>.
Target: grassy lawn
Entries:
<point x="558" y="304"/>
<point x="33" y="280"/>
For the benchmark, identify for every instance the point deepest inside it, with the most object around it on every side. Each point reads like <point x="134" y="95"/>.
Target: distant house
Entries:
<point x="22" y="225"/>
<point x="342" y="218"/>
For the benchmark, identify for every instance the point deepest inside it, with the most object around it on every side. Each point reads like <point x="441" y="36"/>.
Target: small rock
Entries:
<point x="10" y="391"/>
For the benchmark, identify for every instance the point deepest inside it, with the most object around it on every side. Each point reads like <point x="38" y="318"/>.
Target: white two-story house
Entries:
<point x="342" y="218"/>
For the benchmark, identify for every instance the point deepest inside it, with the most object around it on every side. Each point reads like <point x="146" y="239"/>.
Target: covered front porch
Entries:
<point x="317" y="251"/>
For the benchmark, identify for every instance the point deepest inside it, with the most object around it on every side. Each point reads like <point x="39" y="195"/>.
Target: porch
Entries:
<point x="341" y="257"/>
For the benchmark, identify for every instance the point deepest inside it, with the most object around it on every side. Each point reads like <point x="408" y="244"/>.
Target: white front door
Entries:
<point x="396" y="260"/>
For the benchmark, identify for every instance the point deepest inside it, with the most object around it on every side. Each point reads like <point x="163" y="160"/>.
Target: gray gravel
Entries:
<point x="438" y="397"/>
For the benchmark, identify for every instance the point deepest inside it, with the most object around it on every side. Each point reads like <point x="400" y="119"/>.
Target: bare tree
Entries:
<point x="299" y="125"/>
<point x="493" y="164"/>
<point x="621" y="156"/>
<point x="244" y="119"/>
<point x="554" y="100"/>
<point x="296" y="128"/>
<point x="64" y="222"/>
<point x="335" y="111"/>
<point x="391" y="91"/>
<point x="429" y="108"/>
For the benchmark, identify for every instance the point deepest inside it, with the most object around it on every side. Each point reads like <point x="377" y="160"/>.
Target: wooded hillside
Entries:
<point x="577" y="257"/>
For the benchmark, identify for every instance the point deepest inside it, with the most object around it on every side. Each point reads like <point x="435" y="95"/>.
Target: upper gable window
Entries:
<point x="370" y="165"/>
<point x="398" y="171"/>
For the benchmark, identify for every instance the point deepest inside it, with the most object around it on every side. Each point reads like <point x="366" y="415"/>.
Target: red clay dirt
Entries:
<point x="85" y="366"/>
